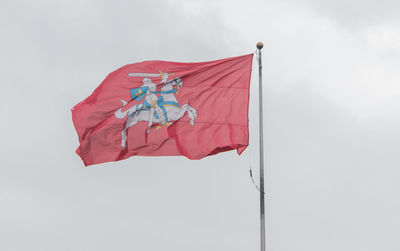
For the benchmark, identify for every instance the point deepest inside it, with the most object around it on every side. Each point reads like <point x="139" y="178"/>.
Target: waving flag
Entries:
<point x="159" y="108"/>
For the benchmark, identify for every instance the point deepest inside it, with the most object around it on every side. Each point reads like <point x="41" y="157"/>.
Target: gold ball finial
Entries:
<point x="260" y="45"/>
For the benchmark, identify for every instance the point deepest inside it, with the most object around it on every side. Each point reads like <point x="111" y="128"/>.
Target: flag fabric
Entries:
<point x="159" y="108"/>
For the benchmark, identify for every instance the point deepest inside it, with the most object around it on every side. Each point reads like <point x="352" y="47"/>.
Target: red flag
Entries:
<point x="158" y="108"/>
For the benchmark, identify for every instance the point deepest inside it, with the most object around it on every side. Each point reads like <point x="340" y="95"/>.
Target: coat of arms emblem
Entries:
<point x="156" y="107"/>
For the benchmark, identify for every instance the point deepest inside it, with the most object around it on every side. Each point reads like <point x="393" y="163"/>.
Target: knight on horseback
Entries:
<point x="155" y="106"/>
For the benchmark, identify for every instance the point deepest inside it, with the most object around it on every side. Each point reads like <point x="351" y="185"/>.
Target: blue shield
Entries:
<point x="138" y="93"/>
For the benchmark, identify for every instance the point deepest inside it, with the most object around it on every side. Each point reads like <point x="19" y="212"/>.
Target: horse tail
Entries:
<point x="119" y="114"/>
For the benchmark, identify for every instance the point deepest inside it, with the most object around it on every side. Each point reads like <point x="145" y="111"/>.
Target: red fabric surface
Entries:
<point x="217" y="90"/>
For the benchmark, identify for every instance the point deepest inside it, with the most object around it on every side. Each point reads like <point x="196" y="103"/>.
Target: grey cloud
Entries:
<point x="331" y="128"/>
<point x="355" y="14"/>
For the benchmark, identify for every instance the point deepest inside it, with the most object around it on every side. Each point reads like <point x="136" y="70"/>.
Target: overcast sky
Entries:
<point x="332" y="118"/>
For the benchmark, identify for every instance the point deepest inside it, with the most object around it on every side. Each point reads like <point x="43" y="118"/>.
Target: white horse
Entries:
<point x="167" y="101"/>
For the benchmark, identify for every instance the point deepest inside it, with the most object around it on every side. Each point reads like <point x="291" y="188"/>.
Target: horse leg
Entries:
<point x="193" y="111"/>
<point x="178" y="114"/>
<point x="151" y="114"/>
<point x="123" y="138"/>
<point x="192" y="114"/>
<point x="129" y="122"/>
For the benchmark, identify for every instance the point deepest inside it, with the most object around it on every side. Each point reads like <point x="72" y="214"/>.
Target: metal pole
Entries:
<point x="262" y="198"/>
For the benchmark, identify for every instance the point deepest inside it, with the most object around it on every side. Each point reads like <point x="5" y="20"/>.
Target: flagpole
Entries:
<point x="262" y="198"/>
